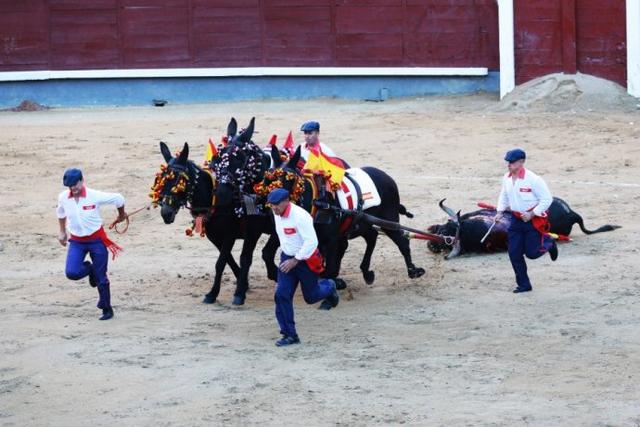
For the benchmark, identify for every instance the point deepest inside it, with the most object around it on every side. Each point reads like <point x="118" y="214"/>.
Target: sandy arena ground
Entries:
<point x="454" y="347"/>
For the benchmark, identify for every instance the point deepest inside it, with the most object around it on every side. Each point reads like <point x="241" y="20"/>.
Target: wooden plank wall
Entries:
<point x="588" y="36"/>
<point x="103" y="34"/>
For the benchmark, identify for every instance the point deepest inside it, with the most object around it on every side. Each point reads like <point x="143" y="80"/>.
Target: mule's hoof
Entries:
<point x="238" y="300"/>
<point x="325" y="305"/>
<point x="369" y="277"/>
<point x="340" y="284"/>
<point x="208" y="299"/>
<point x="416" y="272"/>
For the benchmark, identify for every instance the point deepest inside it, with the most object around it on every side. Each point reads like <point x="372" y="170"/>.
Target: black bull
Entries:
<point x="473" y="226"/>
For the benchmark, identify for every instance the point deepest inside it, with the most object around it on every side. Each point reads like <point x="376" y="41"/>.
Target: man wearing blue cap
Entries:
<point x="300" y="262"/>
<point x="79" y="213"/>
<point x="526" y="196"/>
<point x="311" y="130"/>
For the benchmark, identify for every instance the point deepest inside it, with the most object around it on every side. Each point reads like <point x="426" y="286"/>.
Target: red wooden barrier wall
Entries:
<point x="570" y="35"/>
<point x="551" y="35"/>
<point x="99" y="34"/>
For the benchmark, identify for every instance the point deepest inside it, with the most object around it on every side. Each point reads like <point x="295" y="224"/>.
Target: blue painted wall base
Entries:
<point x="121" y="92"/>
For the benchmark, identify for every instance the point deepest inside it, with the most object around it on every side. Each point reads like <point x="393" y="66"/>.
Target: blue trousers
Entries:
<point x="77" y="269"/>
<point x="525" y="240"/>
<point x="313" y="290"/>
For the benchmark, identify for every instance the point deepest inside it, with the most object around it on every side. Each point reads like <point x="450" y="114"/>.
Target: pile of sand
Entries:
<point x="568" y="92"/>
<point x="28" y="105"/>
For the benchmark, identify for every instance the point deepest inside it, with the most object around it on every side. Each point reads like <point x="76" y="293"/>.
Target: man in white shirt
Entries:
<point x="300" y="262"/>
<point x="527" y="197"/>
<point x="79" y="213"/>
<point x="311" y="130"/>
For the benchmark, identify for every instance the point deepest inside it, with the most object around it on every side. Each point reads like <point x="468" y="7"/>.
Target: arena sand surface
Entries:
<point x="454" y="347"/>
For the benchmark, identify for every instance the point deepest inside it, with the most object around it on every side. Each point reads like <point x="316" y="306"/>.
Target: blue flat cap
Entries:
<point x="71" y="177"/>
<point x="310" y="126"/>
<point x="277" y="195"/>
<point x="514" y="155"/>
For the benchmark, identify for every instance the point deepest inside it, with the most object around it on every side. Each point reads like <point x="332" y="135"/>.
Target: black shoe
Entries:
<point x="520" y="290"/>
<point x="553" y="252"/>
<point x="287" y="340"/>
<point x="107" y="313"/>
<point x="92" y="277"/>
<point x="333" y="299"/>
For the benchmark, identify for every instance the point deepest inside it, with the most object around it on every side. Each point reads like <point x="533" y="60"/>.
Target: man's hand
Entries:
<point x="122" y="216"/>
<point x="62" y="238"/>
<point x="526" y="217"/>
<point x="288" y="265"/>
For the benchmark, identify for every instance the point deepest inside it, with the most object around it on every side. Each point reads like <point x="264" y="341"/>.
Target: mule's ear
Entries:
<point x="166" y="153"/>
<point x="232" y="128"/>
<point x="293" y="161"/>
<point x="275" y="156"/>
<point x="184" y="154"/>
<point x="248" y="132"/>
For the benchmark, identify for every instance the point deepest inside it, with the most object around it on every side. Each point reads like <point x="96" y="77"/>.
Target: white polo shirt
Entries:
<point x="296" y="233"/>
<point x="83" y="217"/>
<point x="526" y="192"/>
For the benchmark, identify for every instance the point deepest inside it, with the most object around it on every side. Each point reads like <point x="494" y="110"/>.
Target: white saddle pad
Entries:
<point x="348" y="196"/>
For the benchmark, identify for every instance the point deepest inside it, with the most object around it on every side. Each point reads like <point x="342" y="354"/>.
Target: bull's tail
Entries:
<point x="403" y="211"/>
<point x="607" y="227"/>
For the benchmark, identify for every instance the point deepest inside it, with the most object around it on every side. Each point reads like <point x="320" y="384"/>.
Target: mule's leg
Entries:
<point x="370" y="236"/>
<point x="269" y="254"/>
<point x="225" y="257"/>
<point x="343" y="244"/>
<point x="246" y="257"/>
<point x="402" y="243"/>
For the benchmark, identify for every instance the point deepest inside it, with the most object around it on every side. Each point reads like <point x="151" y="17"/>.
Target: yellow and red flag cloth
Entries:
<point x="331" y="167"/>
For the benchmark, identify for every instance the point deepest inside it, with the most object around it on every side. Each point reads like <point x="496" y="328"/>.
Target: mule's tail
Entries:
<point x="607" y="227"/>
<point x="403" y="211"/>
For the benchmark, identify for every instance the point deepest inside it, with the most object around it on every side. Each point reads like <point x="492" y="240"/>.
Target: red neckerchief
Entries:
<point x="83" y="192"/>
<point x="314" y="148"/>
<point x="520" y="174"/>
<point x="287" y="211"/>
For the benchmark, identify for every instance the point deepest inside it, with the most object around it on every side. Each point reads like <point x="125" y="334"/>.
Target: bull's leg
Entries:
<point x="224" y="258"/>
<point x="371" y="237"/>
<point x="269" y="254"/>
<point x="402" y="243"/>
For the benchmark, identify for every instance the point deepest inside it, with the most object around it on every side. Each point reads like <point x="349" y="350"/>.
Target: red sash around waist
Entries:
<point x="102" y="235"/>
<point x="540" y="223"/>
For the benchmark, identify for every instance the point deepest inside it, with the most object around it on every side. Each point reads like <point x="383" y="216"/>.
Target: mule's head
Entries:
<point x="450" y="229"/>
<point x="284" y="174"/>
<point x="172" y="185"/>
<point x="239" y="165"/>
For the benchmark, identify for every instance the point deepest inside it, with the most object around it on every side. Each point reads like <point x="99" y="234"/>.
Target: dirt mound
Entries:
<point x="27" y="105"/>
<point x="568" y="92"/>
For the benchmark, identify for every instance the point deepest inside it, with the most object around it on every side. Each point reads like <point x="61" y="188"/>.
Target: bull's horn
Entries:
<point x="457" y="247"/>
<point x="449" y="211"/>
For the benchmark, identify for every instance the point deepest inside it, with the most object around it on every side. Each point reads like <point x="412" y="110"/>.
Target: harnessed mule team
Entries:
<point x="227" y="200"/>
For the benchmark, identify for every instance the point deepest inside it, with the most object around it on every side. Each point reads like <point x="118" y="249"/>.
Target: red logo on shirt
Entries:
<point x="289" y="231"/>
<point x="88" y="207"/>
<point x="525" y="190"/>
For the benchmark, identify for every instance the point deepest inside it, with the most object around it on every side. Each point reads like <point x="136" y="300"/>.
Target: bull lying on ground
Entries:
<point x="471" y="227"/>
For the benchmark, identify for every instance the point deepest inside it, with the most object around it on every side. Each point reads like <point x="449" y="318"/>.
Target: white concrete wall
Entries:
<point x="507" y="46"/>
<point x="633" y="47"/>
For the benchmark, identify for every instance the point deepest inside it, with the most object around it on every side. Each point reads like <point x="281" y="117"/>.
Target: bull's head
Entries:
<point x="451" y="229"/>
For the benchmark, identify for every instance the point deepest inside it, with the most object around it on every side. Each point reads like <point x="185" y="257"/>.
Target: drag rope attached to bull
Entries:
<point x="395" y="226"/>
